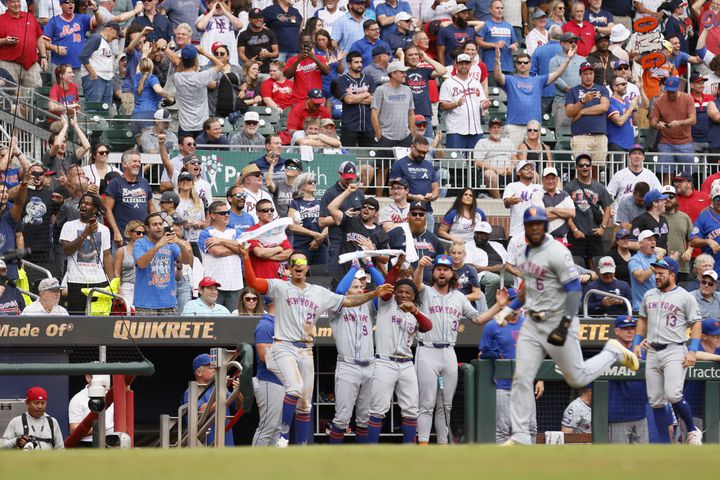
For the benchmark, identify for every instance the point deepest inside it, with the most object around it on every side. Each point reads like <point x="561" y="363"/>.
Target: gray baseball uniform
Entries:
<point x="578" y="416"/>
<point x="352" y="329"/>
<point x="668" y="315"/>
<point x="545" y="270"/>
<point x="394" y="372"/>
<point x="435" y="357"/>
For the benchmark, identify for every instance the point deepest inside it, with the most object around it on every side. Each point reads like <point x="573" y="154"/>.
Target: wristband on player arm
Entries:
<point x="694" y="345"/>
<point x="637" y="340"/>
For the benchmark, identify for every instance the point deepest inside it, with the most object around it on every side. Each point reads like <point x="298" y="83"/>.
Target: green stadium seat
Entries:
<point x="119" y="138"/>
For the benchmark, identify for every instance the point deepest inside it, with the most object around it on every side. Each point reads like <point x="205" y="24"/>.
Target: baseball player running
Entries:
<point x="298" y="304"/>
<point x="435" y="359"/>
<point x="551" y="293"/>
<point x="666" y="312"/>
<point x="352" y="329"/>
<point x="267" y="387"/>
<point x="398" y="319"/>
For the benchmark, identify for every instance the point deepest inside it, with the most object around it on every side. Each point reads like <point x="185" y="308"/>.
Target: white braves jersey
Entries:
<point x="353" y="331"/>
<point x="669" y="314"/>
<point x="391" y="213"/>
<point x="578" y="416"/>
<point x="467" y="118"/>
<point x="623" y="182"/>
<point x="545" y="270"/>
<point x="445" y="312"/>
<point x="297" y="310"/>
<point x="524" y="192"/>
<point x="395" y="330"/>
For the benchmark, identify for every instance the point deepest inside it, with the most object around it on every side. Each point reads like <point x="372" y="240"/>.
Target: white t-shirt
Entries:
<point x="441" y="11"/>
<point x="78" y="409"/>
<point x="36" y="308"/>
<point x="187" y="211"/>
<point x="623" y="182"/>
<point x="226" y="270"/>
<point x="91" y="173"/>
<point x="44" y="8"/>
<point x="524" y="192"/>
<point x="218" y="29"/>
<point x="86" y="264"/>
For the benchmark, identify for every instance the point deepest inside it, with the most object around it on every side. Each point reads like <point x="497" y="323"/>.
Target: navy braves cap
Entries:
<point x="668" y="263"/>
<point x="380" y="50"/>
<point x="444" y="260"/>
<point x="682" y="176"/>
<point x="418" y="206"/>
<point x="625" y="321"/>
<point x="399" y="181"/>
<point x="316" y="95"/>
<point x="201" y="360"/>
<point x="636" y="147"/>
<point x="622" y="233"/>
<point x="711" y="327"/>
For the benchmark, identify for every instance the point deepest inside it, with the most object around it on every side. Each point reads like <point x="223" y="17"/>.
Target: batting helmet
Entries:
<point x="535" y="214"/>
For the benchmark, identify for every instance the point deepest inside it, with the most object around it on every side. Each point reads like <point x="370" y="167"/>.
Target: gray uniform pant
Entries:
<point x="431" y="363"/>
<point x="353" y="387"/>
<point x="531" y="348"/>
<point x="665" y="375"/>
<point x="503" y="425"/>
<point x="269" y="397"/>
<point x="295" y="369"/>
<point x="389" y="377"/>
<point x="628" y="432"/>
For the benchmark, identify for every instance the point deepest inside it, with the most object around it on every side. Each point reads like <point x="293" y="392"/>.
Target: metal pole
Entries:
<point x="220" y="397"/>
<point x="165" y="431"/>
<point x="192" y="414"/>
<point x="102" y="356"/>
<point x="592" y="291"/>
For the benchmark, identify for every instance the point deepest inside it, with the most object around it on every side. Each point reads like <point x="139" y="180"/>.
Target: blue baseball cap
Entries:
<point x="711" y="326"/>
<point x="622" y="233"/>
<point x="444" y="260"/>
<point x="188" y="52"/>
<point x="625" y="321"/>
<point x="672" y="84"/>
<point x="653" y="196"/>
<point x="380" y="50"/>
<point x="201" y="360"/>
<point x="668" y="263"/>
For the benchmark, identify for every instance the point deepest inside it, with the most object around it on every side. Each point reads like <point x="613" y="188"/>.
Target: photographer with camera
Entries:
<point x="34" y="430"/>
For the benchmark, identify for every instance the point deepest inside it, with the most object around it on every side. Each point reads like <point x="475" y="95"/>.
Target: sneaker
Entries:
<point x="282" y="442"/>
<point x="694" y="437"/>
<point x="628" y="359"/>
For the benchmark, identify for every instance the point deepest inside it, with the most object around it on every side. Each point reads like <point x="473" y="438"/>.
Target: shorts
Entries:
<point x="29" y="78"/>
<point x="588" y="247"/>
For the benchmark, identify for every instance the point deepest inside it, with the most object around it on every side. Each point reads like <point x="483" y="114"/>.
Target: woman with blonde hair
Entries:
<point x="533" y="148"/>
<point x="250" y="303"/>
<point x="467" y="279"/>
<point x="308" y="236"/>
<point x="556" y="14"/>
<point x="148" y="95"/>
<point x="124" y="262"/>
<point x="192" y="210"/>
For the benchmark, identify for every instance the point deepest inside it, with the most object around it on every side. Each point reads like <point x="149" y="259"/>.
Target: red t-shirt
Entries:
<point x="694" y="204"/>
<point x="15" y="27"/>
<point x="265" y="268"/>
<point x="585" y="34"/>
<point x="280" y="93"/>
<point x="299" y="112"/>
<point x="307" y="76"/>
<point x="707" y="184"/>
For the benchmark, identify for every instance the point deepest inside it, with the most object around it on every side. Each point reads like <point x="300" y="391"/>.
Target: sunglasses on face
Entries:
<point x="224" y="212"/>
<point x="194" y="162"/>
<point x="103" y="152"/>
<point x="251" y="123"/>
<point x="293" y="167"/>
<point x="533" y="130"/>
<point x="298" y="261"/>
<point x="139" y="233"/>
<point x="624" y="67"/>
<point x="251" y="299"/>
<point x="670" y="195"/>
<point x="266" y="210"/>
<point x="368" y="207"/>
<point x="584" y="165"/>
<point x="240" y="195"/>
<point x="311" y="182"/>
<point x="522" y="62"/>
<point x="190" y="144"/>
<point x="707" y="283"/>
<point x="417" y="214"/>
<point x="220" y="54"/>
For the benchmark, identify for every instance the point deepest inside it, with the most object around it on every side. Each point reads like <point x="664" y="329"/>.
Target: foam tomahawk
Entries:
<point x="350" y="256"/>
<point x="271" y="234"/>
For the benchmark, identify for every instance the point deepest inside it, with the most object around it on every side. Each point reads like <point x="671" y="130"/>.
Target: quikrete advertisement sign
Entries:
<point x="194" y="331"/>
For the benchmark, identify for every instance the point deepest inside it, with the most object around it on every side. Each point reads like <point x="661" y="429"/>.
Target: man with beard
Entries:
<point x="258" y="42"/>
<point x="488" y="258"/>
<point x="86" y="242"/>
<point x="349" y="29"/>
<point x="551" y="293"/>
<point x="359" y="229"/>
<point x="455" y="35"/>
<point x="424" y="241"/>
<point x="240" y="220"/>
<point x="298" y="305"/>
<point x="666" y="314"/>
<point x="435" y="359"/>
<point x="679" y="227"/>
<point x="249" y="135"/>
<point x="603" y="60"/>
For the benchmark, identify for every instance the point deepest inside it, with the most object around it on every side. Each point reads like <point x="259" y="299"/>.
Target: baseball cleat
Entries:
<point x="629" y="359"/>
<point x="282" y="442"/>
<point x="508" y="443"/>
<point x="694" y="437"/>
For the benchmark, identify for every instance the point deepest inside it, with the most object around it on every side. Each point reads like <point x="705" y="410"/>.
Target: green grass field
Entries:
<point x="578" y="462"/>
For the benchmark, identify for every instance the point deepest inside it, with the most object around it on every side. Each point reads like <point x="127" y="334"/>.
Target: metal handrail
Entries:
<point x="594" y="291"/>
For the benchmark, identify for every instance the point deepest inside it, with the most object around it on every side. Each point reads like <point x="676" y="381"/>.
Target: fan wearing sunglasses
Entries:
<point x="266" y="255"/>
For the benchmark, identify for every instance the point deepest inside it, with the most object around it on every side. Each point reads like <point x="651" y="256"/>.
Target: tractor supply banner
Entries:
<point x="22" y="331"/>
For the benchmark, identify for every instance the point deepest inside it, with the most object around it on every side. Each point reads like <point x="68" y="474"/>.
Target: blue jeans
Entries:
<point x="666" y="155"/>
<point x="456" y="140"/>
<point x="97" y="90"/>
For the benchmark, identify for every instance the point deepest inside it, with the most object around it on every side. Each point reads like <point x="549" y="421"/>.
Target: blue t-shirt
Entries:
<point x="387" y="10"/>
<point x="70" y="35"/>
<point x="149" y="99"/>
<point x="419" y="175"/>
<point x="241" y="222"/>
<point x="624" y="135"/>
<point x="133" y="59"/>
<point x="155" y="284"/>
<point x="286" y="26"/>
<point x="418" y="79"/>
<point x="494" y="32"/>
<point x="7" y="240"/>
<point x="264" y="332"/>
<point x="707" y="225"/>
<point x="640" y="262"/>
<point x="540" y="64"/>
<point x="309" y="212"/>
<point x="524" y="95"/>
<point x="680" y="59"/>
<point x="131" y="200"/>
<point x="355" y="116"/>
<point x="587" y="123"/>
<point x="499" y="343"/>
<point x="600" y="19"/>
<point x="452" y="37"/>
<point x="480" y="7"/>
<point x="467" y="279"/>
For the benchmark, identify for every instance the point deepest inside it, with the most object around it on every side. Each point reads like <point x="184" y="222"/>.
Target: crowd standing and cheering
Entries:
<point x="493" y="81"/>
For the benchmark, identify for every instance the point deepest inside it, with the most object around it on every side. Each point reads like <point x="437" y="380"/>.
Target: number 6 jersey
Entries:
<point x="669" y="314"/>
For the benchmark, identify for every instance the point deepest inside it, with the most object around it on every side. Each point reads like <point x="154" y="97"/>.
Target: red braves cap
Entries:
<point x="208" y="282"/>
<point x="35" y="393"/>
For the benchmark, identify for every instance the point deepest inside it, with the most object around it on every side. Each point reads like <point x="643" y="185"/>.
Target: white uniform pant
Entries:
<point x="295" y="369"/>
<point x="431" y="363"/>
<point x="503" y="425"/>
<point x="269" y="398"/>
<point x="389" y="377"/>
<point x="665" y="375"/>
<point x="531" y="348"/>
<point x="353" y="389"/>
<point x="635" y="431"/>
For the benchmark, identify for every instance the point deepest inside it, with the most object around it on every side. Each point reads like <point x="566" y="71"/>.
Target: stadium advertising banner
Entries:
<point x="192" y="331"/>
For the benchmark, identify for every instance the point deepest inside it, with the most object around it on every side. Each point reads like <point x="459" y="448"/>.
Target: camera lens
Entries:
<point x="96" y="405"/>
